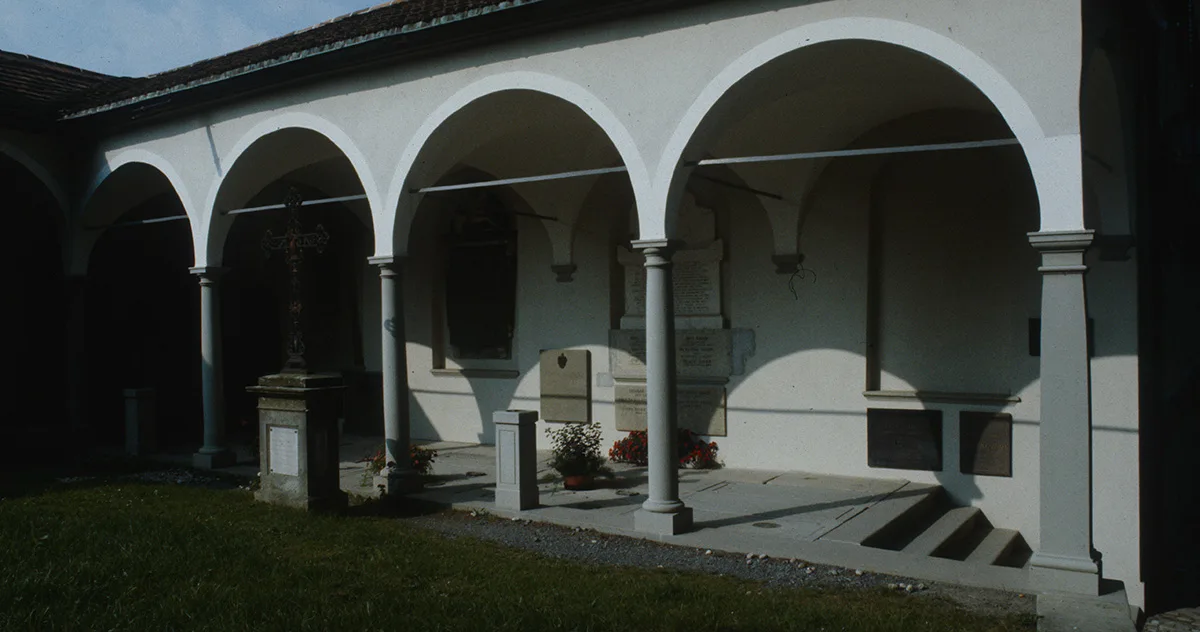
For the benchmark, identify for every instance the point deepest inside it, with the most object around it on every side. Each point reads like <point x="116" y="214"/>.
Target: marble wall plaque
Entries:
<point x="285" y="451"/>
<point x="696" y="284"/>
<point x="985" y="445"/>
<point x="699" y="353"/>
<point x="700" y="408"/>
<point x="904" y="439"/>
<point x="566" y="385"/>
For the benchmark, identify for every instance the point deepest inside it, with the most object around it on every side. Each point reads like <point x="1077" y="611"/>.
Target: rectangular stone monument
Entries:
<point x="985" y="443"/>
<point x="566" y="385"/>
<point x="140" y="435"/>
<point x="696" y="284"/>
<point x="516" y="459"/>
<point x="699" y="353"/>
<point x="904" y="439"/>
<point x="700" y="408"/>
<point x="298" y="438"/>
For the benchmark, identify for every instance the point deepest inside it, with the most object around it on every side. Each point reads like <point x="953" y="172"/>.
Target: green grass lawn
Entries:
<point x="124" y="556"/>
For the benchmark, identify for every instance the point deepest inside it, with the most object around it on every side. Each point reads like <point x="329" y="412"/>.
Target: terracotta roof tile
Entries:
<point x="395" y="17"/>
<point x="37" y="88"/>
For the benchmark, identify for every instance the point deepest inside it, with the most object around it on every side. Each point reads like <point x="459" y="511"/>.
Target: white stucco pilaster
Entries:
<point x="1064" y="560"/>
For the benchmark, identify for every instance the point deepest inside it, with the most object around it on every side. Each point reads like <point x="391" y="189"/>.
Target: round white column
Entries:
<point x="214" y="453"/>
<point x="400" y="478"/>
<point x="662" y="513"/>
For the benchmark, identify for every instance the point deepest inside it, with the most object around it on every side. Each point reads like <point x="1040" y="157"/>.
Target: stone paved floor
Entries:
<point x="1186" y="620"/>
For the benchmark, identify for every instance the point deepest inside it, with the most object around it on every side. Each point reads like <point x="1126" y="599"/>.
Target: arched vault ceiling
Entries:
<point x="518" y="133"/>
<point x="824" y="97"/>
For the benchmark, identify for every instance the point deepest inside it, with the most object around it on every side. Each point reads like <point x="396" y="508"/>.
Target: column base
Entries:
<point x="399" y="483"/>
<point x="1055" y="573"/>
<point x="516" y="499"/>
<point x="213" y="459"/>
<point x="662" y="524"/>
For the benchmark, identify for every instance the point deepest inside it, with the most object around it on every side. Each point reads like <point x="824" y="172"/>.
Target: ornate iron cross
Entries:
<point x="293" y="243"/>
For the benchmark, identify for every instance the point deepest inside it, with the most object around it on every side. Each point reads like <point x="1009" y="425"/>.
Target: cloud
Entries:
<point x="140" y="37"/>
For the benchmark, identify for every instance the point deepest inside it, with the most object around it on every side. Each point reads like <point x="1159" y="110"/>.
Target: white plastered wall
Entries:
<point x="1024" y="55"/>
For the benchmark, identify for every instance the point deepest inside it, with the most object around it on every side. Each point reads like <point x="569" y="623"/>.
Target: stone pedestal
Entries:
<point x="298" y="439"/>
<point x="516" y="459"/>
<point x="140" y="437"/>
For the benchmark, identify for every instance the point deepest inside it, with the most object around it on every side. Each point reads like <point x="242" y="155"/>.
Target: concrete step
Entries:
<point x="879" y="523"/>
<point x="996" y="547"/>
<point x="951" y="528"/>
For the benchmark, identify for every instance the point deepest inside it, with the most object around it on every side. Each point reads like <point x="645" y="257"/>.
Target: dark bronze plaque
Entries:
<point x="904" y="439"/>
<point x="986" y="443"/>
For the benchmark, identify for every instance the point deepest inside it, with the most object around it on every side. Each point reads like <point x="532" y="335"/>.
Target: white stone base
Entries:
<point x="516" y="499"/>
<point x="214" y="460"/>
<point x="397" y="484"/>
<point x="1052" y="573"/>
<point x="663" y="524"/>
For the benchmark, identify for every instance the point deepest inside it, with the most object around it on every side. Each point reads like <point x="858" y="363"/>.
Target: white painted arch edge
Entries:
<point x="1059" y="210"/>
<point x="84" y="238"/>
<point x="287" y="120"/>
<point x="42" y="174"/>
<point x="593" y="107"/>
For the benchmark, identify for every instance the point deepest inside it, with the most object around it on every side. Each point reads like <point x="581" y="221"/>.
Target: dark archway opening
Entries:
<point x="143" y="325"/>
<point x="255" y="298"/>
<point x="34" y="365"/>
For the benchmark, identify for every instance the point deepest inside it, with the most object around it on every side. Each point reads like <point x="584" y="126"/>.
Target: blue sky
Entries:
<point x="141" y="37"/>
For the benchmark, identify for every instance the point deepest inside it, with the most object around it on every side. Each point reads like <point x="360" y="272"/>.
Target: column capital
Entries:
<point x="1062" y="241"/>
<point x="390" y="262"/>
<point x="1062" y="251"/>
<point x="662" y="245"/>
<point x="208" y="273"/>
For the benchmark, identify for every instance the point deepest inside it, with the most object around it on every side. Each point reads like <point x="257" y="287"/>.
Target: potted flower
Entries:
<point x="576" y="454"/>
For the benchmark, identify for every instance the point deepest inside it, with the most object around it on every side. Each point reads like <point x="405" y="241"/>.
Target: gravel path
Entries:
<point x="593" y="547"/>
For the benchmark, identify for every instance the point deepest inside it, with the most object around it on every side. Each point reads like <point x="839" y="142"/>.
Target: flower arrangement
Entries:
<point x="576" y="450"/>
<point x="693" y="451"/>
<point x="422" y="460"/>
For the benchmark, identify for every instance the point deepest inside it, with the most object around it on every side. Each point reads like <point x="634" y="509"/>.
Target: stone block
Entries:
<point x="663" y="524"/>
<point x="516" y="459"/>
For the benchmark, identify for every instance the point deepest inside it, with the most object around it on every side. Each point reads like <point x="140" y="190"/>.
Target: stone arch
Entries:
<point x="399" y="208"/>
<point x="42" y="174"/>
<point x="95" y="212"/>
<point x="211" y="230"/>
<point x="1059" y="195"/>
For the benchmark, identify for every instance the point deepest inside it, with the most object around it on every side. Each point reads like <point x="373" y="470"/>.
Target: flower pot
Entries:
<point x="579" y="481"/>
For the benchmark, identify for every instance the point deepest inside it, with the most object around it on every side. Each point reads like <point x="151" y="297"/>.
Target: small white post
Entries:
<point x="516" y="459"/>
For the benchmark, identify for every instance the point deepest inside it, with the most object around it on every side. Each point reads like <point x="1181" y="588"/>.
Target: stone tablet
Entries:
<point x="904" y="439"/>
<point x="699" y="353"/>
<point x="985" y="443"/>
<point x="566" y="385"/>
<point x="285" y="451"/>
<point x="701" y="409"/>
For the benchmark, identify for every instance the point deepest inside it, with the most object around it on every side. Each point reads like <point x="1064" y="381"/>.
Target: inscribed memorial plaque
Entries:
<point x="985" y="445"/>
<point x="904" y="439"/>
<point x="699" y="353"/>
<point x="566" y="385"/>
<point x="700" y="409"/>
<point x="285" y="451"/>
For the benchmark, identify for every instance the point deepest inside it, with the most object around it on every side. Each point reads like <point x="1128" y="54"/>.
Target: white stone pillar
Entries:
<point x="1064" y="560"/>
<point x="400" y="478"/>
<point x="662" y="513"/>
<point x="214" y="453"/>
